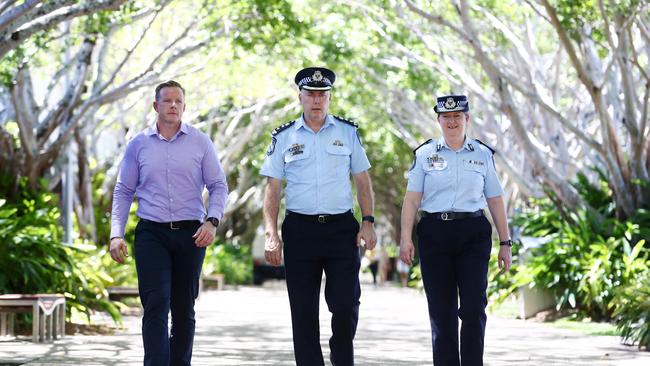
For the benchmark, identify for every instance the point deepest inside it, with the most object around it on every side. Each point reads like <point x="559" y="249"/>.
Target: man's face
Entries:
<point x="315" y="103"/>
<point x="170" y="105"/>
<point x="453" y="124"/>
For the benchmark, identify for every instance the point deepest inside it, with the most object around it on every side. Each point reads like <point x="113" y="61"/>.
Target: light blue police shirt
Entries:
<point x="316" y="166"/>
<point x="451" y="180"/>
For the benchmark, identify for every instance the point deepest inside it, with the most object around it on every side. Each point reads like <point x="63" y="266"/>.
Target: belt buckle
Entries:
<point x="171" y="226"/>
<point x="445" y="216"/>
<point x="321" y="219"/>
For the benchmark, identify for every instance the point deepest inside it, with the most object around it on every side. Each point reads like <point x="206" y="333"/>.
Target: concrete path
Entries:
<point x="252" y="326"/>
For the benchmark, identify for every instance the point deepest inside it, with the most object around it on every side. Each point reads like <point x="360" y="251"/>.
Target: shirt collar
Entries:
<point x="153" y="131"/>
<point x="300" y="122"/>
<point x="441" y="143"/>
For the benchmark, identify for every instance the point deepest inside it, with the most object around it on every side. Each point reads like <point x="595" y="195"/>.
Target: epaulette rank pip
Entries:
<point x="422" y="144"/>
<point x="281" y="128"/>
<point x="345" y="120"/>
<point x="486" y="145"/>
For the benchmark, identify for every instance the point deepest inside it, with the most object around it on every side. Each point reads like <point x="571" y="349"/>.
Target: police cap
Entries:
<point x="451" y="103"/>
<point x="315" y="78"/>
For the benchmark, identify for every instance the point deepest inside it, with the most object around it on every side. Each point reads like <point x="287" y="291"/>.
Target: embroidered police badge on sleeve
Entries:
<point x="415" y="157"/>
<point x="271" y="149"/>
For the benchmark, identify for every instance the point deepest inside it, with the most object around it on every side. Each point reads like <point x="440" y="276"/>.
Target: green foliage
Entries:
<point x="633" y="312"/>
<point x="235" y="262"/>
<point x="589" y="254"/>
<point x="34" y="260"/>
<point x="255" y="22"/>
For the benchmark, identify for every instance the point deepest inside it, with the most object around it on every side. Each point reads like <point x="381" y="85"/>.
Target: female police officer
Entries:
<point x="451" y="179"/>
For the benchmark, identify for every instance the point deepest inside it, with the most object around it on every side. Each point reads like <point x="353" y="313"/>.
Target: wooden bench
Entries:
<point x="48" y="314"/>
<point x="214" y="280"/>
<point x="118" y="292"/>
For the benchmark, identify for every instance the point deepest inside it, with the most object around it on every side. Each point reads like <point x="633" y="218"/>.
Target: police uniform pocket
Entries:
<point x="339" y="159"/>
<point x="295" y="155"/>
<point x="473" y="173"/>
<point x="476" y="166"/>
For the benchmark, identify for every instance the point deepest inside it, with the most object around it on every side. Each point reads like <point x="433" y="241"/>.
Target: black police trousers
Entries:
<point x="310" y="248"/>
<point x="454" y="258"/>
<point x="168" y="265"/>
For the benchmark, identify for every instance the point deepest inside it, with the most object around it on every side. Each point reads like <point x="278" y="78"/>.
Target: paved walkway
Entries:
<point x="251" y="326"/>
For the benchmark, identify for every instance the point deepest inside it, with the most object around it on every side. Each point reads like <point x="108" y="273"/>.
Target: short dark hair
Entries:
<point x="168" y="84"/>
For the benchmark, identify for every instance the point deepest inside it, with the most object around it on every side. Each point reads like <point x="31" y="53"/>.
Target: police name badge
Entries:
<point x="296" y="149"/>
<point x="337" y="143"/>
<point x="437" y="162"/>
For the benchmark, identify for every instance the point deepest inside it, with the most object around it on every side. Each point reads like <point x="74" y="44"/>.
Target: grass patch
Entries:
<point x="585" y="326"/>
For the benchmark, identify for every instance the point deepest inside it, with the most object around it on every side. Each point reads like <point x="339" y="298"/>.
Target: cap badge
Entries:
<point x="450" y="103"/>
<point x="317" y="76"/>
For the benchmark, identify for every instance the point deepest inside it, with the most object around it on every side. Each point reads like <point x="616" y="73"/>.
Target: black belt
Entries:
<point x="175" y="225"/>
<point x="321" y="219"/>
<point x="450" y="215"/>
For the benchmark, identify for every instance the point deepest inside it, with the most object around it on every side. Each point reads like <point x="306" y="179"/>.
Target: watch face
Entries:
<point x="214" y="221"/>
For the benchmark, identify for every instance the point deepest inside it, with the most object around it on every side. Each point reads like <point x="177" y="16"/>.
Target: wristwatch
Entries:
<point x="369" y="218"/>
<point x="506" y="242"/>
<point x="213" y="220"/>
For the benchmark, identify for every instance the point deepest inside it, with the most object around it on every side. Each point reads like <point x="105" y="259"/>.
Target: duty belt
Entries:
<point x="175" y="225"/>
<point x="322" y="218"/>
<point x="451" y="215"/>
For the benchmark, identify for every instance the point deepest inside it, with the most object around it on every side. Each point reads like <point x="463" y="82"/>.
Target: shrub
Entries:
<point x="632" y="312"/>
<point x="33" y="259"/>
<point x="235" y="262"/>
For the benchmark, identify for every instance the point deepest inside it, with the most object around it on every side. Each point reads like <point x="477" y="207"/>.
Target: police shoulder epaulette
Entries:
<point x="422" y="144"/>
<point x="345" y="120"/>
<point x="486" y="145"/>
<point x="281" y="128"/>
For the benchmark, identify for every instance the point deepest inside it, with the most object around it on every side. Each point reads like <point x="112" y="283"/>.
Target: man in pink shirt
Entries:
<point x="167" y="167"/>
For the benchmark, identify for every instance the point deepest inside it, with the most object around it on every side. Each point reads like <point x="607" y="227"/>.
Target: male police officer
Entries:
<point x="452" y="179"/>
<point x="316" y="154"/>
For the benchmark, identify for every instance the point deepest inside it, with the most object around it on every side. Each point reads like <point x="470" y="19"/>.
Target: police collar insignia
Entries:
<point x="296" y="149"/>
<point x="337" y="143"/>
<point x="450" y="103"/>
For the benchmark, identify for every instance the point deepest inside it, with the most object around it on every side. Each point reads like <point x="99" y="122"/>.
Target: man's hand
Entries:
<point x="367" y="234"/>
<point x="204" y="236"/>
<point x="407" y="251"/>
<point x="505" y="258"/>
<point x="273" y="249"/>
<point x="118" y="250"/>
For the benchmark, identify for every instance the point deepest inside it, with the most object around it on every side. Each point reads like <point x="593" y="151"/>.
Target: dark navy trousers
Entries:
<point x="169" y="265"/>
<point x="309" y="249"/>
<point x="454" y="258"/>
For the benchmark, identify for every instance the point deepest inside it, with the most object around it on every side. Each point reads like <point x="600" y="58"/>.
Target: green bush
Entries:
<point x="632" y="312"/>
<point x="235" y="262"/>
<point x="33" y="258"/>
